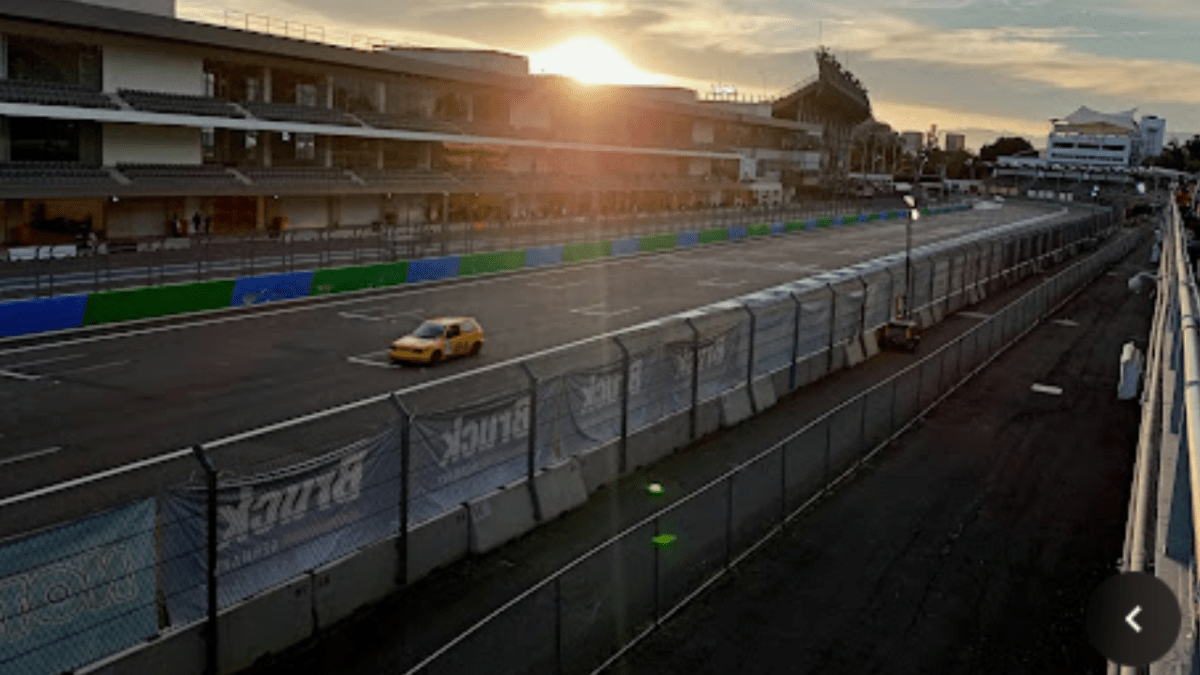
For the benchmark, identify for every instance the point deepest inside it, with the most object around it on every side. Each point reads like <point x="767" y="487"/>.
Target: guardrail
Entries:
<point x="42" y="271"/>
<point x="297" y="547"/>
<point x="1160" y="533"/>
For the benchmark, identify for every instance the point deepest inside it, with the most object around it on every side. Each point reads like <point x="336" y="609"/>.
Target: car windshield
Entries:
<point x="428" y="330"/>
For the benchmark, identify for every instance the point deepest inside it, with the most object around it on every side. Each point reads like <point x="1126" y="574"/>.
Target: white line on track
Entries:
<point x="50" y="360"/>
<point x="368" y="362"/>
<point x="88" y="369"/>
<point x="19" y="376"/>
<point x="29" y="455"/>
<point x="1047" y="389"/>
<point x="597" y="310"/>
<point x="344" y="407"/>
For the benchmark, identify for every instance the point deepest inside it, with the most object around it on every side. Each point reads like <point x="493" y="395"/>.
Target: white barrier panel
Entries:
<point x="343" y="586"/>
<point x="501" y="516"/>
<point x="559" y="489"/>
<point x="855" y="353"/>
<point x="600" y="466"/>
<point x="871" y="344"/>
<point x="23" y="253"/>
<point x="736" y="406"/>
<point x="708" y="417"/>
<point x="762" y="391"/>
<point x="437" y="542"/>
<point x="268" y="622"/>
<point x="63" y="251"/>
<point x="179" y="652"/>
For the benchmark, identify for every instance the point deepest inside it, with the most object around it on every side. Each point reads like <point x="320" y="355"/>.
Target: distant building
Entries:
<point x="956" y="142"/>
<point x="1153" y="131"/>
<point x="913" y="141"/>
<point x="1091" y="138"/>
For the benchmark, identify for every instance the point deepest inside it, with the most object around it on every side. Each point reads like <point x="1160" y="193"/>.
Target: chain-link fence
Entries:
<point x="263" y="520"/>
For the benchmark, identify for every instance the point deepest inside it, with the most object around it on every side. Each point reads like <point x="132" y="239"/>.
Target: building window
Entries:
<point x="306" y="146"/>
<point x="253" y="89"/>
<point x="38" y="60"/>
<point x="208" y="143"/>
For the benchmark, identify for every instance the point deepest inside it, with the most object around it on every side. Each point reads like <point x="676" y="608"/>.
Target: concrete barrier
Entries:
<point x="648" y="445"/>
<point x="781" y="381"/>
<point x="708" y="417"/>
<point x="179" y="651"/>
<point x="266" y="623"/>
<point x="736" y="406"/>
<point x="559" y="489"/>
<point x="854" y="352"/>
<point x="500" y="516"/>
<point x="837" y="359"/>
<point x="870" y="342"/>
<point x="23" y="253"/>
<point x="437" y="542"/>
<point x="600" y="466"/>
<point x="343" y="586"/>
<point x="762" y="392"/>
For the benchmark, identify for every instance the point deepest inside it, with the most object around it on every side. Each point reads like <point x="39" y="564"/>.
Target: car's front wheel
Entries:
<point x="476" y="347"/>
<point x="435" y="359"/>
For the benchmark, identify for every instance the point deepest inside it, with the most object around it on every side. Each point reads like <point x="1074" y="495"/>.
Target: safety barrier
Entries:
<point x="541" y="436"/>
<point x="1161" y="539"/>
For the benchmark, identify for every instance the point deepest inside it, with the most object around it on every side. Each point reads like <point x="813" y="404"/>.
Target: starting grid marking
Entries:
<point x="374" y="359"/>
<point x="369" y="314"/>
<point x="596" y="310"/>
<point x="1046" y="389"/>
<point x="11" y="370"/>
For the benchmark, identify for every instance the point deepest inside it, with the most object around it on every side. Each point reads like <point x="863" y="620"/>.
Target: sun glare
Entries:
<point x="590" y="60"/>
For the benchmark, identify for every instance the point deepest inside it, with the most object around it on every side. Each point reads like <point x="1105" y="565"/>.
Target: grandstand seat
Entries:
<point x="182" y="104"/>
<point x="53" y="93"/>
<point x="289" y="112"/>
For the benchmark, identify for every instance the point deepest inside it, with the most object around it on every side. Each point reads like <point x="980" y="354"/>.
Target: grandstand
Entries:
<point x="128" y="115"/>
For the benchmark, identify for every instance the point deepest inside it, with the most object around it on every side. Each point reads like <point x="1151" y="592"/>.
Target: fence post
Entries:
<point x="750" y="350"/>
<point x="531" y="466"/>
<point x="832" y="327"/>
<point x="405" y="463"/>
<point x="210" y="484"/>
<point x="622" y="462"/>
<point x="795" y="340"/>
<point x="695" y="376"/>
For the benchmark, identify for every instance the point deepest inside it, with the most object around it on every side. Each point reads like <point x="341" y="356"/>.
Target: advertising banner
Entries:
<point x="273" y="527"/>
<point x="722" y="362"/>
<point x="774" y="333"/>
<point x="815" y="318"/>
<point x="77" y="593"/>
<point x="461" y="454"/>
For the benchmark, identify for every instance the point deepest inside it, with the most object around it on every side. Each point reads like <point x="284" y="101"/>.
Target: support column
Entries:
<point x="263" y="138"/>
<point x="335" y="210"/>
<point x="379" y="153"/>
<point x="470" y="107"/>
<point x="266" y="84"/>
<point x="260" y="213"/>
<point x="381" y="97"/>
<point x="329" y="91"/>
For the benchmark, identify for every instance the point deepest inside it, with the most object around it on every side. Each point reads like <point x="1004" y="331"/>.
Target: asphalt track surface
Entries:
<point x="969" y="545"/>
<point x="87" y="401"/>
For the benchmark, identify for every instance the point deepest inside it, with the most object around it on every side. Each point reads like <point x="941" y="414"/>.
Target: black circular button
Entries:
<point x="1133" y="619"/>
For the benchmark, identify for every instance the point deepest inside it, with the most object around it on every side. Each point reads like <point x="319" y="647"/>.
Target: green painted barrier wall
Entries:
<point x="586" y="251"/>
<point x="144" y="303"/>
<point x="758" y="230"/>
<point x="872" y="216"/>
<point x="715" y="234"/>
<point x="342" y="279"/>
<point x="656" y="242"/>
<point x="493" y="261"/>
<point x="793" y="226"/>
<point x="827" y="221"/>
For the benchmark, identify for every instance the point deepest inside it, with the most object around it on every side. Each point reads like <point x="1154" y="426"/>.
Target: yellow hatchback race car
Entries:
<point x="437" y="339"/>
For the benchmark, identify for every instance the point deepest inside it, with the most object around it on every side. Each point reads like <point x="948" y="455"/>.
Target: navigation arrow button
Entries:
<point x="1129" y="619"/>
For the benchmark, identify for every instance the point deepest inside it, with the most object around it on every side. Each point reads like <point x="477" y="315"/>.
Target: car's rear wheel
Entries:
<point x="435" y="359"/>
<point x="476" y="347"/>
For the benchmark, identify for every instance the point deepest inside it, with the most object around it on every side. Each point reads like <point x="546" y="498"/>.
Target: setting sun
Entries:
<point x="590" y="60"/>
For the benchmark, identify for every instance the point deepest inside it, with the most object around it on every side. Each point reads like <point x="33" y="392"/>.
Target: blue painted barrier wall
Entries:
<point x="543" y="255"/>
<point x="625" y="246"/>
<point x="433" y="268"/>
<point x="38" y="315"/>
<point x="686" y="239"/>
<point x="737" y="233"/>
<point x="778" y="228"/>
<point x="810" y="224"/>
<point x="271" y="288"/>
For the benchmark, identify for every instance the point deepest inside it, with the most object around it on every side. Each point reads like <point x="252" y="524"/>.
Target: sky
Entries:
<point x="985" y="68"/>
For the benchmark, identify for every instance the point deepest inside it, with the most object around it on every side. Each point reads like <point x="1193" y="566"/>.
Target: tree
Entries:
<point x="1003" y="147"/>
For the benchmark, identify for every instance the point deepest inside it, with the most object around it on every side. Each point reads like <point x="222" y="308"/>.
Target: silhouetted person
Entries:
<point x="196" y="222"/>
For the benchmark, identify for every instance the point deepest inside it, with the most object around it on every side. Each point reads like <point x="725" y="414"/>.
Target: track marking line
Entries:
<point x="50" y="360"/>
<point x="1066" y="322"/>
<point x="29" y="455"/>
<point x="368" y="362"/>
<point x="555" y="287"/>
<point x="1047" y="389"/>
<point x="19" y="376"/>
<point x="718" y="283"/>
<point x="85" y="369"/>
<point x="592" y="310"/>
<point x="360" y="317"/>
<point x="974" y="315"/>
